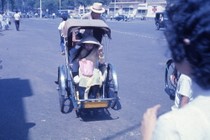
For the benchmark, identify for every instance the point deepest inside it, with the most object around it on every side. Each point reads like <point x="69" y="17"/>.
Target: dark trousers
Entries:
<point x="62" y="44"/>
<point x="17" y="24"/>
<point x="92" y="93"/>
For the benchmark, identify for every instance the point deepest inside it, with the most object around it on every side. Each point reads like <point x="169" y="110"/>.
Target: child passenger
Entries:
<point x="88" y="58"/>
<point x="183" y="93"/>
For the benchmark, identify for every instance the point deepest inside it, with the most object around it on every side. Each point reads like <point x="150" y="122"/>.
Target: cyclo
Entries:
<point x="68" y="89"/>
<point x="161" y="20"/>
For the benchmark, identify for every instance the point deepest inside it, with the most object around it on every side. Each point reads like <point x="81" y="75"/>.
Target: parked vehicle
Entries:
<point x="161" y="20"/>
<point x="121" y="17"/>
<point x="142" y="17"/>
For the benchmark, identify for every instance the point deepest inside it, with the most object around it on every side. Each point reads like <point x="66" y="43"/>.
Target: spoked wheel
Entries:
<point x="66" y="105"/>
<point x="158" y="26"/>
<point x="65" y="102"/>
<point x="78" y="113"/>
<point x="61" y="99"/>
<point x="171" y="77"/>
<point x="115" y="103"/>
<point x="112" y="88"/>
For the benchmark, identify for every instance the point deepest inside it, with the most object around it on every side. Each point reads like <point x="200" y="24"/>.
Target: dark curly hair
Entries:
<point x="188" y="36"/>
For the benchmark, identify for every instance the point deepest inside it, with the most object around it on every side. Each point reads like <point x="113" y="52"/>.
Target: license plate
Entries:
<point x="95" y="104"/>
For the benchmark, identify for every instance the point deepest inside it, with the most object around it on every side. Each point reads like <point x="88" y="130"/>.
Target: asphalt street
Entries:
<point x="29" y="106"/>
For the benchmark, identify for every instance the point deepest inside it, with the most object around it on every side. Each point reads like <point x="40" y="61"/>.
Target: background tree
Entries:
<point x="51" y="5"/>
<point x="90" y="2"/>
<point x="18" y="5"/>
<point x="30" y="5"/>
<point x="12" y="5"/>
<point x="3" y="3"/>
<point x="68" y="4"/>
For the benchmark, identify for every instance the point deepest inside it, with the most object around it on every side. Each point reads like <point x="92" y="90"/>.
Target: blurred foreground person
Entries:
<point x="188" y="36"/>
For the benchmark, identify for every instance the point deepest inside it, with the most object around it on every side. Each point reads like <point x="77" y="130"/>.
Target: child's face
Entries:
<point x="89" y="46"/>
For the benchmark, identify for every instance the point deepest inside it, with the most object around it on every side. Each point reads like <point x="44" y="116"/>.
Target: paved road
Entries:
<point x="29" y="107"/>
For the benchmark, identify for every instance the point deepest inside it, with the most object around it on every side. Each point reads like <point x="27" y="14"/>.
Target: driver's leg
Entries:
<point x="94" y="90"/>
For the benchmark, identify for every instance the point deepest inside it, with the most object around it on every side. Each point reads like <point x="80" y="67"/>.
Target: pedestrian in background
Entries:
<point x="1" y="20"/>
<point x="188" y="37"/>
<point x="17" y="20"/>
<point x="60" y="29"/>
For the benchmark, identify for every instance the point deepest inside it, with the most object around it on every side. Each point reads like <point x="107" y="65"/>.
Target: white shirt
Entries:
<point x="192" y="122"/>
<point x="88" y="16"/>
<point x="17" y="16"/>
<point x="184" y="85"/>
<point x="61" y="26"/>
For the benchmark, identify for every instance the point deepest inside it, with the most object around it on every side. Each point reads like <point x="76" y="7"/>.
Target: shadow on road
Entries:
<point x="122" y="132"/>
<point x="96" y="115"/>
<point x="1" y="34"/>
<point x="13" y="125"/>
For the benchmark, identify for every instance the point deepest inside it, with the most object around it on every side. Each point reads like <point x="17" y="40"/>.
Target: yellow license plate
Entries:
<point x="95" y="104"/>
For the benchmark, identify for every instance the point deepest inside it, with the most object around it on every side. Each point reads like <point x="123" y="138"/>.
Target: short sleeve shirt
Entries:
<point x="192" y="122"/>
<point x="17" y="16"/>
<point x="61" y="26"/>
<point x="183" y="89"/>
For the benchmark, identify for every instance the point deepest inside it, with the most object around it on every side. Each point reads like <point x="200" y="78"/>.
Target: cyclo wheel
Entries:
<point x="65" y="102"/>
<point x="170" y="86"/>
<point x="111" y="88"/>
<point x="61" y="91"/>
<point x="61" y="100"/>
<point x="158" y="26"/>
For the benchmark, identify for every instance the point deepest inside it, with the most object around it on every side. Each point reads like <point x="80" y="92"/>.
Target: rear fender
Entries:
<point x="114" y="77"/>
<point x="62" y="77"/>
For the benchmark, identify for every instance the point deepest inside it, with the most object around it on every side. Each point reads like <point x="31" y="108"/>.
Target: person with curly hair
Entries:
<point x="188" y="37"/>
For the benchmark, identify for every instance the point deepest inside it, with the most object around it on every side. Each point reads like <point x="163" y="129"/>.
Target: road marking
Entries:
<point x="138" y="35"/>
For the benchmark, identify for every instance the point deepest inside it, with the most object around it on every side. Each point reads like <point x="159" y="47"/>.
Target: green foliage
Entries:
<point x="3" y="4"/>
<point x="90" y="2"/>
<point x="51" y="5"/>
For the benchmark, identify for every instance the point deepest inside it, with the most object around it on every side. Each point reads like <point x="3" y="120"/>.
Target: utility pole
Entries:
<point x="59" y="4"/>
<point x="114" y="8"/>
<point x="40" y="8"/>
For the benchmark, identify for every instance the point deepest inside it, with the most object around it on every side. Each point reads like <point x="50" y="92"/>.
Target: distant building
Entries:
<point x="130" y="8"/>
<point x="136" y="8"/>
<point x="154" y="7"/>
<point x="125" y="8"/>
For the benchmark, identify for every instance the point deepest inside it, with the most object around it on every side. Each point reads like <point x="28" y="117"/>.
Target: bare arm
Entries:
<point x="184" y="100"/>
<point x="149" y="121"/>
<point x="101" y="55"/>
